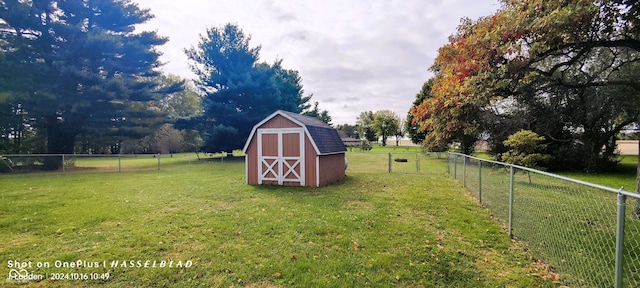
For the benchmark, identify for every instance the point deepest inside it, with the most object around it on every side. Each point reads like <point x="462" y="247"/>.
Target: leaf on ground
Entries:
<point x="356" y="246"/>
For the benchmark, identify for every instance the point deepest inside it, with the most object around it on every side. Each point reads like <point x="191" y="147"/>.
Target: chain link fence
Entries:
<point x="21" y="163"/>
<point x="416" y="163"/>
<point x="398" y="162"/>
<point x="586" y="235"/>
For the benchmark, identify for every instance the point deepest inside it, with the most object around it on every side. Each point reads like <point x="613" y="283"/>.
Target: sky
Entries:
<point x="352" y="55"/>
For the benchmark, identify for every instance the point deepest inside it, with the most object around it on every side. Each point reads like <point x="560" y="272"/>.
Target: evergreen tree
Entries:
<point x="79" y="67"/>
<point x="239" y="90"/>
<point x="317" y="113"/>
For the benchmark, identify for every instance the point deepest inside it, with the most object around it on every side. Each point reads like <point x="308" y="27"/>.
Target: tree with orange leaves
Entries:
<point x="574" y="56"/>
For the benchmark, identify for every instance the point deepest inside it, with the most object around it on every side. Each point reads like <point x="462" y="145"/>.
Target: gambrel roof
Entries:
<point x="324" y="138"/>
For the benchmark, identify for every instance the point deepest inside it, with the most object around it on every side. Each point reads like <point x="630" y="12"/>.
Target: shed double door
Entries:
<point x="281" y="156"/>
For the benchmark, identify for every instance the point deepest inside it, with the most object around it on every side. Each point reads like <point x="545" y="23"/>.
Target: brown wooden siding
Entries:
<point x="331" y="169"/>
<point x="310" y="163"/>
<point x="252" y="162"/>
<point x="279" y="122"/>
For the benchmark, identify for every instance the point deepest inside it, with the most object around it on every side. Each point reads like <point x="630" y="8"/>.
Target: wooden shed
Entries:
<point x="295" y="150"/>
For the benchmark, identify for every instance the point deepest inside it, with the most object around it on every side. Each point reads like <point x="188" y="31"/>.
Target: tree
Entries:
<point x="456" y="105"/>
<point x="78" y="66"/>
<point x="589" y="69"/>
<point x="411" y="125"/>
<point x="525" y="150"/>
<point x="239" y="91"/>
<point x="179" y="103"/>
<point x="535" y="55"/>
<point x="322" y="115"/>
<point x="385" y="123"/>
<point x="13" y="128"/>
<point x="167" y="140"/>
<point x="348" y="130"/>
<point x="364" y="126"/>
<point x="400" y="132"/>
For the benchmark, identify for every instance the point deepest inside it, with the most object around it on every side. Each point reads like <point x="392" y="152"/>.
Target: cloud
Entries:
<point x="353" y="56"/>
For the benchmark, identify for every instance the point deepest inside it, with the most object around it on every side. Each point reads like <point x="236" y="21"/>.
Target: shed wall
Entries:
<point x="332" y="169"/>
<point x="252" y="162"/>
<point x="309" y="162"/>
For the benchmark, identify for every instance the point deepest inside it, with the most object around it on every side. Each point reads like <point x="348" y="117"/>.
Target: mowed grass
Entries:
<point x="624" y="176"/>
<point x="374" y="229"/>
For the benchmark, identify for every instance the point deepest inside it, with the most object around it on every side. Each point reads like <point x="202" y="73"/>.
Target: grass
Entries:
<point x="374" y="229"/>
<point x="623" y="176"/>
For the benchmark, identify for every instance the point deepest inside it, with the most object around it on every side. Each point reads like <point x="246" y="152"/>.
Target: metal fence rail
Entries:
<point x="93" y="162"/>
<point x="582" y="230"/>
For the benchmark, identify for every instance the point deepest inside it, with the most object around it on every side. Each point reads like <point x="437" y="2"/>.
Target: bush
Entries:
<point x="524" y="150"/>
<point x="365" y="145"/>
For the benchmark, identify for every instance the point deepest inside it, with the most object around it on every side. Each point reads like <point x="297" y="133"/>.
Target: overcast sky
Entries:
<point x="353" y="55"/>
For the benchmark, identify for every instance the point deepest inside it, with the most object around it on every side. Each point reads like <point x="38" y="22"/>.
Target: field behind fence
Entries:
<point x="20" y="163"/>
<point x="588" y="233"/>
<point x="396" y="162"/>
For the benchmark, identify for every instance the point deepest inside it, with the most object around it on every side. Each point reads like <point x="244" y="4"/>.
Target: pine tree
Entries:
<point x="240" y="91"/>
<point x="79" y="66"/>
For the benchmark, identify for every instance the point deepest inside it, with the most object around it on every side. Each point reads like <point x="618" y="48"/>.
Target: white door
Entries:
<point x="281" y="156"/>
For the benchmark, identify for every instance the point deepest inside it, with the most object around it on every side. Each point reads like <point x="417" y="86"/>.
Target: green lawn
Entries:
<point x="623" y="176"/>
<point x="374" y="229"/>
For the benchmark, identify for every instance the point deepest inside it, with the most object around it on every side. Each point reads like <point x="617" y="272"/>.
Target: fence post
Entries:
<point x="119" y="164"/>
<point x="464" y="170"/>
<point x="455" y="166"/>
<point x="448" y="163"/>
<point x="158" y="161"/>
<point x="62" y="163"/>
<point x="511" y="172"/>
<point x="480" y="181"/>
<point x="622" y="199"/>
<point x="389" y="162"/>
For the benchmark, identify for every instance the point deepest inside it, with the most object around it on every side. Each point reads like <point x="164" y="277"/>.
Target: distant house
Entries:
<point x="350" y="141"/>
<point x="295" y="150"/>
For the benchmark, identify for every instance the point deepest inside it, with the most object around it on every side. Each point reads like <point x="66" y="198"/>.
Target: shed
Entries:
<point x="295" y="150"/>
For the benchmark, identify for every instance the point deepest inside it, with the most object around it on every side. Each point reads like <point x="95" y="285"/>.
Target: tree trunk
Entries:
<point x="61" y="136"/>
<point x="467" y="144"/>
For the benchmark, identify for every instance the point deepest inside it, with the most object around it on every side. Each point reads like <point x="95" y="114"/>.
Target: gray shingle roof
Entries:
<point x="326" y="138"/>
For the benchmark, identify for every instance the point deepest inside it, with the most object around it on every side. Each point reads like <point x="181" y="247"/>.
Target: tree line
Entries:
<point x="564" y="70"/>
<point x="77" y="77"/>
